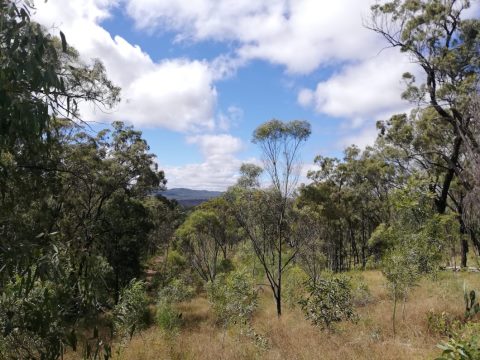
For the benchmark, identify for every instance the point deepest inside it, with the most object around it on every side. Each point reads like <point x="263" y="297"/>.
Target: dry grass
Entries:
<point x="292" y="337"/>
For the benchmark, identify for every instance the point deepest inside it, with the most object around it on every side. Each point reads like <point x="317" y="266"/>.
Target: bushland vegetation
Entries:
<point x="374" y="256"/>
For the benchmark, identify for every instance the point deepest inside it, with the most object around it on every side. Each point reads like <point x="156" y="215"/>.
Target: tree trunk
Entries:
<point x="464" y="252"/>
<point x="441" y="202"/>
<point x="279" y="287"/>
<point x="464" y="241"/>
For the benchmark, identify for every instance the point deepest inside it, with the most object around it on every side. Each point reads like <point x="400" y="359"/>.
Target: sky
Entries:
<point x="198" y="76"/>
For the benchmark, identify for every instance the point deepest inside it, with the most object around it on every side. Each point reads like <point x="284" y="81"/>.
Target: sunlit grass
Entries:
<point x="292" y="337"/>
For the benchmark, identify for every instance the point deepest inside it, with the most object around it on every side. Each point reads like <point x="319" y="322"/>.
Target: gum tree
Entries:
<point x="264" y="213"/>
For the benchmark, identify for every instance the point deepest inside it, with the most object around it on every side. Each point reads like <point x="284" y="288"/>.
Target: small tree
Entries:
<point x="401" y="272"/>
<point x="234" y="299"/>
<point x="330" y="301"/>
<point x="131" y="312"/>
<point x="263" y="214"/>
<point x="414" y="240"/>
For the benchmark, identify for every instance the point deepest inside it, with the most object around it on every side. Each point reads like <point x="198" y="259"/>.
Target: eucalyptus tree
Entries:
<point x="349" y="198"/>
<point x="264" y="213"/>
<point x="207" y="236"/>
<point x="62" y="191"/>
<point x="438" y="36"/>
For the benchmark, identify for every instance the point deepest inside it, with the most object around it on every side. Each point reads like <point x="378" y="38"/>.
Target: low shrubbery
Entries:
<point x="330" y="301"/>
<point x="167" y="317"/>
<point x="465" y="346"/>
<point x="233" y="297"/>
<point x="131" y="312"/>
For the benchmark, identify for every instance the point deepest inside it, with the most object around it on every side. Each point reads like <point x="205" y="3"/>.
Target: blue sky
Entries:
<point x="199" y="76"/>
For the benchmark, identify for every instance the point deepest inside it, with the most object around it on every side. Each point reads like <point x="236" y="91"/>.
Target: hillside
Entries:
<point x="189" y="197"/>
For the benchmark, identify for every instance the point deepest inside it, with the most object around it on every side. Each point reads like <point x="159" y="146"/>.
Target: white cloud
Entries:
<point x="232" y="117"/>
<point x="219" y="168"/>
<point x="213" y="146"/>
<point x="362" y="91"/>
<point x="300" y="35"/>
<point x="176" y="94"/>
<point x="305" y="97"/>
<point x="361" y="138"/>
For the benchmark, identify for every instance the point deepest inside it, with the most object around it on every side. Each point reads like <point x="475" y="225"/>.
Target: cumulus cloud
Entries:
<point x="362" y="91"/>
<point x="300" y="35"/>
<point x="362" y="138"/>
<point x="177" y="94"/>
<point x="232" y="117"/>
<point x="217" y="171"/>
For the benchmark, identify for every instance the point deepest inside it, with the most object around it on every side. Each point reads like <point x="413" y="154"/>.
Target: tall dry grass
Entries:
<point x="292" y="337"/>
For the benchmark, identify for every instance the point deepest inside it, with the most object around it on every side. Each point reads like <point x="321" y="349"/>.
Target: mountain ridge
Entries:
<point x="189" y="197"/>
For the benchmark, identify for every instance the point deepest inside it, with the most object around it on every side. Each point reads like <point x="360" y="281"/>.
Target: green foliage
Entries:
<point x="225" y="266"/>
<point x="361" y="293"/>
<point x="73" y="224"/>
<point x="131" y="313"/>
<point x="41" y="75"/>
<point x="294" y="285"/>
<point x="176" y="291"/>
<point x="249" y="176"/>
<point x="460" y="349"/>
<point x="442" y="323"/>
<point x="167" y="318"/>
<point x="401" y="271"/>
<point x="276" y="129"/>
<point x="245" y="257"/>
<point x="206" y="235"/>
<point x="176" y="260"/>
<point x="330" y="301"/>
<point x="472" y="307"/>
<point x="347" y="200"/>
<point x="233" y="297"/>
<point x="34" y="315"/>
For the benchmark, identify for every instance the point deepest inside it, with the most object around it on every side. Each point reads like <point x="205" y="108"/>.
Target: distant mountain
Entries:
<point x="189" y="197"/>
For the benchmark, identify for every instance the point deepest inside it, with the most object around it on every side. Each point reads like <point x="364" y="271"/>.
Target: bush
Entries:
<point x="472" y="307"/>
<point x="167" y="317"/>
<point x="245" y="257"/>
<point x="361" y="293"/>
<point x="131" y="313"/>
<point x="294" y="285"/>
<point x="176" y="261"/>
<point x="33" y="321"/>
<point x="460" y="349"/>
<point x="330" y="301"/>
<point x="233" y="297"/>
<point x="225" y="266"/>
<point x="177" y="291"/>
<point x="442" y="323"/>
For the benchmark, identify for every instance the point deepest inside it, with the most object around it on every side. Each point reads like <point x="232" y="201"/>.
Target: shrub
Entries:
<point x="472" y="306"/>
<point x="245" y="257"/>
<point x="225" y="266"/>
<point x="460" y="349"/>
<point x="167" y="317"/>
<point x="131" y="313"/>
<point x="361" y="293"/>
<point x="233" y="297"/>
<point x="294" y="285"/>
<point x="177" y="291"/>
<point x="330" y="301"/>
<point x="32" y="321"/>
<point x="442" y="323"/>
<point x="175" y="260"/>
